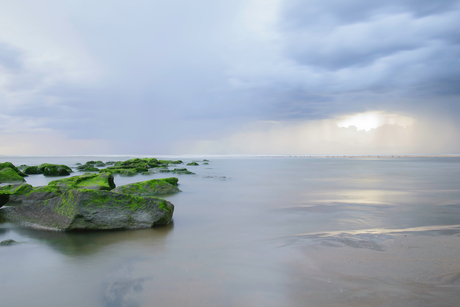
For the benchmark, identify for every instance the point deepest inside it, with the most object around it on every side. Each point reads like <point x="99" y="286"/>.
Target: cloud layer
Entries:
<point x="148" y="76"/>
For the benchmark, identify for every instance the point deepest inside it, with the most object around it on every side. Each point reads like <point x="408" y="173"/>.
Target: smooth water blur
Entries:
<point x="258" y="232"/>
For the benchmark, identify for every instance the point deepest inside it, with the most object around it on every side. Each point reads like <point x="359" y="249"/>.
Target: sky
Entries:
<point x="229" y="77"/>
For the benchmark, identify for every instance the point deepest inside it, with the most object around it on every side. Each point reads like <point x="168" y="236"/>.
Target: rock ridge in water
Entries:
<point x="150" y="187"/>
<point x="86" y="209"/>
<point x="87" y="202"/>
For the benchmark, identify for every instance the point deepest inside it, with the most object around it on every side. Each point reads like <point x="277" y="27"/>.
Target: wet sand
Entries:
<point x="382" y="270"/>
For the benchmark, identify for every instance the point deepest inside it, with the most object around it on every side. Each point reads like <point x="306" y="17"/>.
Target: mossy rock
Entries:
<point x="170" y="161"/>
<point x="205" y="163"/>
<point x="87" y="168"/>
<point x="193" y="164"/>
<point x="55" y="169"/>
<point x="102" y="181"/>
<point x="11" y="165"/>
<point x="204" y="160"/>
<point x="32" y="170"/>
<point x="150" y="187"/>
<point x="26" y="194"/>
<point x="8" y="174"/>
<point x="99" y="164"/>
<point x="110" y="162"/>
<point x="182" y="171"/>
<point x="17" y="189"/>
<point x="120" y="171"/>
<point x="8" y="242"/>
<point x="85" y="209"/>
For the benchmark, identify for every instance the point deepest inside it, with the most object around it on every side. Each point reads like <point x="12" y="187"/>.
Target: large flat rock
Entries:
<point x="85" y="209"/>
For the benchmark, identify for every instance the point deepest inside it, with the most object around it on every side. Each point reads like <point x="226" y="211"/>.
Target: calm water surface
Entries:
<point x="259" y="232"/>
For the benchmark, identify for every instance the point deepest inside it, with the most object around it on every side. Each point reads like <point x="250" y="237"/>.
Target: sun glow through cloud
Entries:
<point x="374" y="119"/>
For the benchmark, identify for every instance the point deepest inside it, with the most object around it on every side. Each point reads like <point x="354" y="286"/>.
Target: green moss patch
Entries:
<point x="102" y="181"/>
<point x="8" y="174"/>
<point x="150" y="187"/>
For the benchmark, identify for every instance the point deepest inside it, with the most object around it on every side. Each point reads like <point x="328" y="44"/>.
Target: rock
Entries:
<point x="8" y="174"/>
<point x="170" y="161"/>
<point x="32" y="170"/>
<point x="110" y="162"/>
<point x="182" y="171"/>
<point x="4" y="198"/>
<point x="120" y="171"/>
<point x="193" y="163"/>
<point x="205" y="163"/>
<point x="87" y="168"/>
<point x="17" y="189"/>
<point x="26" y="194"/>
<point x="102" y="181"/>
<point x="150" y="187"/>
<point x="11" y="165"/>
<point x="145" y="173"/>
<point x="8" y="242"/>
<point x="86" y="209"/>
<point x="55" y="170"/>
<point x="99" y="164"/>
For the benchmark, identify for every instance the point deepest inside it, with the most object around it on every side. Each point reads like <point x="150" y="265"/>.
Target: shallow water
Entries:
<point x="259" y="232"/>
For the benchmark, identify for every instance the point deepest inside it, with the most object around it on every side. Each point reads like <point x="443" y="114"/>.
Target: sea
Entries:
<point x="253" y="231"/>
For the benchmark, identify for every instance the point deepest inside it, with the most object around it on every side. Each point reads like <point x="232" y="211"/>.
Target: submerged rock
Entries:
<point x="121" y="171"/>
<point x="150" y="187"/>
<point x="193" y="163"/>
<point x="8" y="242"/>
<point x="87" y="168"/>
<point x="55" y="169"/>
<point x="86" y="209"/>
<point x="182" y="171"/>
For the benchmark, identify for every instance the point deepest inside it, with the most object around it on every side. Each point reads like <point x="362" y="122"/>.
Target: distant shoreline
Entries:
<point x="361" y="156"/>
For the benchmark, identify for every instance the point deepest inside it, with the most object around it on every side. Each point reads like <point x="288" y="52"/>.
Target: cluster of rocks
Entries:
<point x="89" y="201"/>
<point x="132" y="167"/>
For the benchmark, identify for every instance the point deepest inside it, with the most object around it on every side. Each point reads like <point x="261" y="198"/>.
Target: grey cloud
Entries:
<point x="10" y="57"/>
<point x="181" y="70"/>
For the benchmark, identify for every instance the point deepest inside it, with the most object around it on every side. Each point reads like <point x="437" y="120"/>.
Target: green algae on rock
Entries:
<point x="8" y="174"/>
<point x="32" y="170"/>
<point x="85" y="209"/>
<point x="193" y="163"/>
<point x="103" y="181"/>
<point x="55" y="169"/>
<point x="11" y="165"/>
<point x="87" y="168"/>
<point x="150" y="187"/>
<point x="182" y="171"/>
<point x="8" y="242"/>
<point x="121" y="171"/>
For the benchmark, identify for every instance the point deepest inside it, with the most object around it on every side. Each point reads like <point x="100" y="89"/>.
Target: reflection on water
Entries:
<point x="260" y="232"/>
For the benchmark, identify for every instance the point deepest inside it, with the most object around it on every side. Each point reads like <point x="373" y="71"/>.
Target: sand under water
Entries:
<point x="268" y="231"/>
